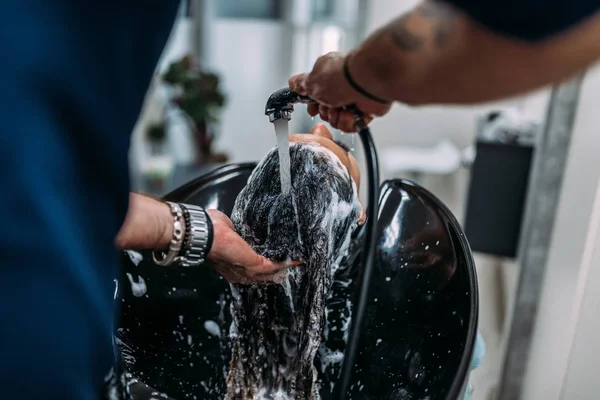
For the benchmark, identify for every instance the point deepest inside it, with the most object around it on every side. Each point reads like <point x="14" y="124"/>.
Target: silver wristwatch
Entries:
<point x="195" y="250"/>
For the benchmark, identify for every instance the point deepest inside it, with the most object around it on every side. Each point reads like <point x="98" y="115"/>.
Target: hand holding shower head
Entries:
<point x="280" y="106"/>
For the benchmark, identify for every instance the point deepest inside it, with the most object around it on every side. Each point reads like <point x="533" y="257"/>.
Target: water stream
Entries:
<point x="283" y="146"/>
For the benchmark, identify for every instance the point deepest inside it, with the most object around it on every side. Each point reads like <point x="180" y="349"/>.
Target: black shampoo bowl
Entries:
<point x="420" y="327"/>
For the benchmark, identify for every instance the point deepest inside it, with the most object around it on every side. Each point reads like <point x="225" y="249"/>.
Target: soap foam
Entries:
<point x="138" y="288"/>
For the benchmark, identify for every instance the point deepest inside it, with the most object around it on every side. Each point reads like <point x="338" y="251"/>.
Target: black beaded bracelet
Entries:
<point x="211" y="233"/>
<point x="186" y="237"/>
<point x="357" y="87"/>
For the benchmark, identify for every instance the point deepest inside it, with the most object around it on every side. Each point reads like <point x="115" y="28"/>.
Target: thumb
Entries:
<point x="298" y="83"/>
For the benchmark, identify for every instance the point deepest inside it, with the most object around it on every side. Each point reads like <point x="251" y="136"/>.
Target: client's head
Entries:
<point x="325" y="179"/>
<point x="278" y="328"/>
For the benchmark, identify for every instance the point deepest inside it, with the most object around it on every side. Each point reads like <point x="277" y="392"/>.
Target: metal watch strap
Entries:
<point x="195" y="252"/>
<point x="159" y="257"/>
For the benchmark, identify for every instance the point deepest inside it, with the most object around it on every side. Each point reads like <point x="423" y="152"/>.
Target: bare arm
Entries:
<point x="436" y="54"/>
<point x="148" y="225"/>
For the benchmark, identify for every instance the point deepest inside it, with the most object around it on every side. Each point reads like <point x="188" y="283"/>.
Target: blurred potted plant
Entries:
<point x="198" y="95"/>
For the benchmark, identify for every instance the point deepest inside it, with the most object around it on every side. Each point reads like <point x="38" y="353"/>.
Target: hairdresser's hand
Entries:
<point x="327" y="85"/>
<point x="234" y="259"/>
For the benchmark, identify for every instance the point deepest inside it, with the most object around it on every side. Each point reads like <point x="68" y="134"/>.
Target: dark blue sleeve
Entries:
<point x="528" y="19"/>
<point x="73" y="76"/>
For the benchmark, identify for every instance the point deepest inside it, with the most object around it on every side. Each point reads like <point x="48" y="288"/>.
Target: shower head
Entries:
<point x="281" y="104"/>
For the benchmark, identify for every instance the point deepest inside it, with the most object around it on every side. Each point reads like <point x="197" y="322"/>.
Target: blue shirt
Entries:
<point x="528" y="19"/>
<point x="73" y="76"/>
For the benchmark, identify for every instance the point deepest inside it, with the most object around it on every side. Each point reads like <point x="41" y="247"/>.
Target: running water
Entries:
<point x="285" y="175"/>
<point x="283" y="146"/>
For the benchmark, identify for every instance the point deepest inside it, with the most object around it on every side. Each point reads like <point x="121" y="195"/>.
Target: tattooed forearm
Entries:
<point x="437" y="54"/>
<point x="398" y="58"/>
<point x="403" y="37"/>
<point x="430" y="22"/>
<point x="442" y="16"/>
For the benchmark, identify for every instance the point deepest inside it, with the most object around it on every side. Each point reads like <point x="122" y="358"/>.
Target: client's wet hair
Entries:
<point x="277" y="328"/>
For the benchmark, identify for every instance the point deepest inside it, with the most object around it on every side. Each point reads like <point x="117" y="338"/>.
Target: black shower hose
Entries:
<point x="364" y="276"/>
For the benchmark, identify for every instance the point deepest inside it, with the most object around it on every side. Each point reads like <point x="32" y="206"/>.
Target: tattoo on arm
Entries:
<point x="402" y="37"/>
<point x="440" y="17"/>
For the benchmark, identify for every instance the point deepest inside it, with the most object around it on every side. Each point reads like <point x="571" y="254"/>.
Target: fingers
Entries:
<point x="239" y="274"/>
<point x="235" y="276"/>
<point x="324" y="113"/>
<point x="298" y="83"/>
<point x="238" y="252"/>
<point x="313" y="109"/>
<point x="343" y="120"/>
<point x="346" y="122"/>
<point x="334" y="116"/>
<point x="276" y="276"/>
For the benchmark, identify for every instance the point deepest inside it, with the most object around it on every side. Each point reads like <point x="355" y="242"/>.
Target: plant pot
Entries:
<point x="203" y="138"/>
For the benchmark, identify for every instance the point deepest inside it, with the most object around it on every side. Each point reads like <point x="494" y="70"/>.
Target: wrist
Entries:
<point x="164" y="221"/>
<point x="148" y="225"/>
<point x="359" y="76"/>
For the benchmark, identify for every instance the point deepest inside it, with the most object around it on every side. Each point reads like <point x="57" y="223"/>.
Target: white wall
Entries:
<point x="565" y="351"/>
<point x="253" y="60"/>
